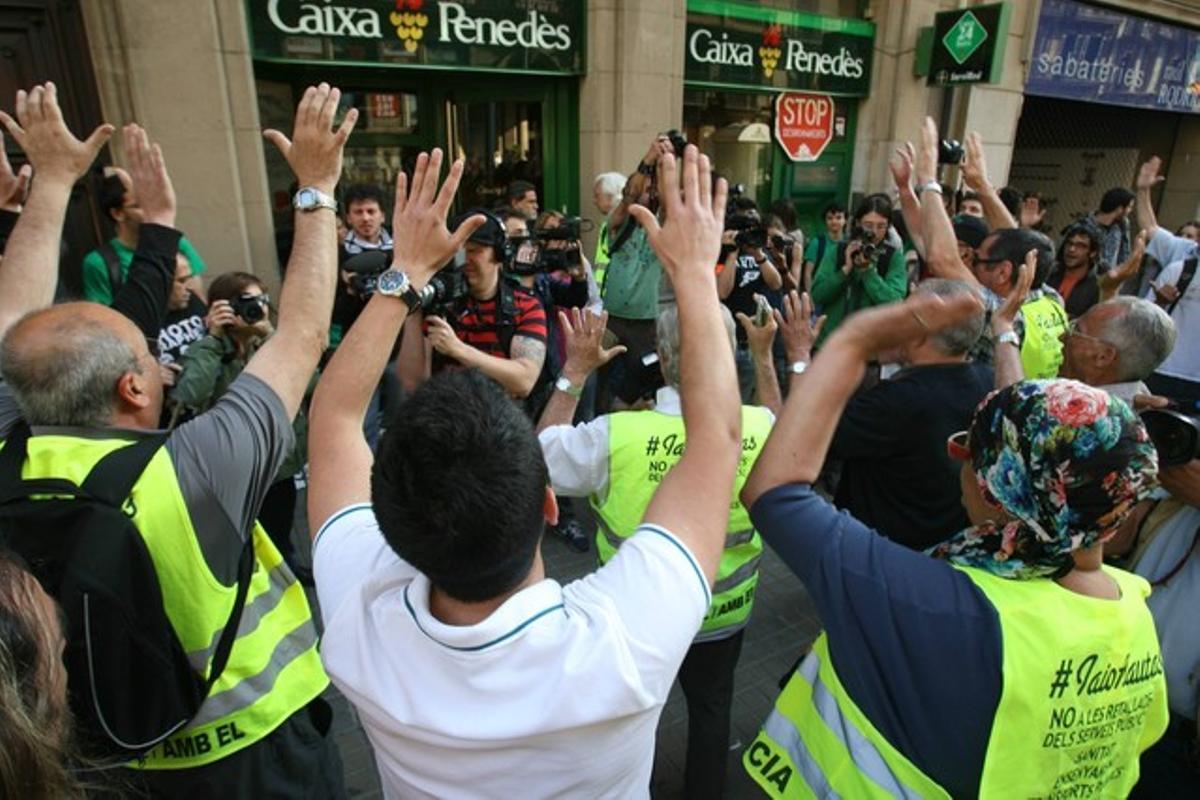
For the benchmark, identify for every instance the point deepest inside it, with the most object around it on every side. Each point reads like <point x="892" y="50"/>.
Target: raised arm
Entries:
<point x="761" y="339"/>
<point x="800" y="439"/>
<point x="144" y="295"/>
<point x="338" y="456"/>
<point x="1147" y="179"/>
<point x="1008" y="367"/>
<point x="1112" y="281"/>
<point x="29" y="272"/>
<point x="287" y="361"/>
<point x="693" y="499"/>
<point x="941" y="245"/>
<point x="586" y="353"/>
<point x="637" y="184"/>
<point x="910" y="208"/>
<point x="975" y="175"/>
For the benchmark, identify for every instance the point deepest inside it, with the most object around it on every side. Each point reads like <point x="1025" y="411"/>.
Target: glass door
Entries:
<point x="501" y="141"/>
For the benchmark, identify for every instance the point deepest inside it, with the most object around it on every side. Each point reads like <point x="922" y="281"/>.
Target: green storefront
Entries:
<point x="492" y="81"/>
<point x="738" y="59"/>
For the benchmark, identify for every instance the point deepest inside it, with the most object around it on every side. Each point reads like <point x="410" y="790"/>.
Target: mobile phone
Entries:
<point x="762" y="315"/>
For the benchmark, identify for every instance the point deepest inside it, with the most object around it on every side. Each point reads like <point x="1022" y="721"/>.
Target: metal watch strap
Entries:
<point x="932" y="186"/>
<point x="564" y="385"/>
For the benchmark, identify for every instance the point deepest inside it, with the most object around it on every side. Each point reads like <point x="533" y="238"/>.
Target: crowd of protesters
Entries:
<point x="972" y="444"/>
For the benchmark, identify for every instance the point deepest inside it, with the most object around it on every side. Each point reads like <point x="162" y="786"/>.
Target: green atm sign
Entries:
<point x="968" y="45"/>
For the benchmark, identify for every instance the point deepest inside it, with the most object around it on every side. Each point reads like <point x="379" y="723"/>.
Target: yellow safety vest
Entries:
<point x="601" y="261"/>
<point x="1083" y="695"/>
<point x="273" y="669"/>
<point x="642" y="447"/>
<point x="1041" y="349"/>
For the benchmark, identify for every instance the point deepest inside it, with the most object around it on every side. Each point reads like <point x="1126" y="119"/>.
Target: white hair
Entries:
<point x="1142" y="333"/>
<point x="667" y="330"/>
<point x="612" y="184"/>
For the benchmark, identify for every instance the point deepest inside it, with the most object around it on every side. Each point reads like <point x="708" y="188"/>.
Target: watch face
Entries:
<point x="305" y="198"/>
<point x="391" y="282"/>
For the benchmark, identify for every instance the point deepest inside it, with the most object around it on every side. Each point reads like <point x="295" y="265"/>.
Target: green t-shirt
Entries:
<point x="632" y="277"/>
<point x="96" y="285"/>
<point x="812" y="249"/>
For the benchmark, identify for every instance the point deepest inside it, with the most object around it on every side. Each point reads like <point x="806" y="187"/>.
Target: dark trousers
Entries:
<point x="296" y="760"/>
<point x="706" y="677"/>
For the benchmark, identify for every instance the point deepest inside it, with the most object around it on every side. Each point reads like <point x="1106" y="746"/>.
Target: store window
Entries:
<point x="734" y="130"/>
<point x="500" y="142"/>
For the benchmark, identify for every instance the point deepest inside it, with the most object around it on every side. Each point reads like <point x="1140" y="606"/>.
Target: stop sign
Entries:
<point x="803" y="124"/>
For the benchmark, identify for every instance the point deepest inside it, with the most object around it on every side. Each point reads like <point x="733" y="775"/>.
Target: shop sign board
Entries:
<point x="533" y="36"/>
<point x="1084" y="52"/>
<point x="803" y="124"/>
<point x="734" y="46"/>
<point x="968" y="45"/>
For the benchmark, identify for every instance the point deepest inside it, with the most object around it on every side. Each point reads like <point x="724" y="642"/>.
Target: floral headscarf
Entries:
<point x="1066" y="461"/>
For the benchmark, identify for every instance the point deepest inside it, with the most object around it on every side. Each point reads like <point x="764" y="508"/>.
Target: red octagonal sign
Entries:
<point x="803" y="124"/>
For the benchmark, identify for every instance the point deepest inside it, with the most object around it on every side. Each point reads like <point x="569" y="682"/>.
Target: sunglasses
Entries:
<point x="957" y="446"/>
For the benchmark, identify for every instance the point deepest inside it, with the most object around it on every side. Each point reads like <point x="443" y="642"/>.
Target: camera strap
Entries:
<point x="1185" y="280"/>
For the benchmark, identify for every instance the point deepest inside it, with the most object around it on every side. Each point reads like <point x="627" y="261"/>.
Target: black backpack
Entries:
<point x="129" y="680"/>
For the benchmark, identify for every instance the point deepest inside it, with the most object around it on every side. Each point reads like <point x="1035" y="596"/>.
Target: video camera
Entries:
<point x="445" y="292"/>
<point x="365" y="269"/>
<point x="868" y="250"/>
<point x="1174" y="432"/>
<point x="549" y="249"/>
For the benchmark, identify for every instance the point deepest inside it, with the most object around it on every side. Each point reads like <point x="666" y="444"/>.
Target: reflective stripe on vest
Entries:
<point x="643" y="446"/>
<point x="1082" y="695"/>
<point x="273" y="669"/>
<point x="1041" y="348"/>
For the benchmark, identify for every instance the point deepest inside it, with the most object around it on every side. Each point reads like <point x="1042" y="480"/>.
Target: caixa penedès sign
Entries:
<point x="484" y="34"/>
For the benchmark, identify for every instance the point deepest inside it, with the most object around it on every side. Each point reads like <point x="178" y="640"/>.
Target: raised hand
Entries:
<point x="54" y="152"/>
<point x="875" y="330"/>
<point x="901" y="166"/>
<point x="1032" y="212"/>
<point x="926" y="163"/>
<point x="1111" y="281"/>
<point x="584" y="334"/>
<point x="1148" y="177"/>
<point x="423" y="243"/>
<point x="759" y="338"/>
<point x="148" y="173"/>
<point x="1004" y="317"/>
<point x="796" y="326"/>
<point x="689" y="243"/>
<point x="315" y="150"/>
<point x="13" y="185"/>
<point x="974" y="166"/>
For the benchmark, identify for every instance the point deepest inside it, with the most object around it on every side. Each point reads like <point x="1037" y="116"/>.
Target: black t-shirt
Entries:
<point x="897" y="477"/>
<point x="747" y="282"/>
<point x="180" y="329"/>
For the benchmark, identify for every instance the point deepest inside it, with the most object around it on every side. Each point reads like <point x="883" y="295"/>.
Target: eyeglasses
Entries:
<point x="957" y="446"/>
<point x="1073" y="330"/>
<point x="980" y="260"/>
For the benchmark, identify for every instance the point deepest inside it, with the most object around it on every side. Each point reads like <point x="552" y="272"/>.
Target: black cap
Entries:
<point x="970" y="230"/>
<point x="491" y="232"/>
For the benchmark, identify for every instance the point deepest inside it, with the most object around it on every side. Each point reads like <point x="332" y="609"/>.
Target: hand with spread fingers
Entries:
<point x="689" y="242"/>
<point x="315" y="150"/>
<point x="148" y="173"/>
<point x="901" y="166"/>
<point x="1004" y="317"/>
<point x="584" y="334"/>
<point x="1148" y="176"/>
<point x="1032" y="212"/>
<point x="1111" y="281"/>
<point x="974" y="166"/>
<point x="56" y="155"/>
<point x="796" y="326"/>
<point x="13" y="185"/>
<point x="423" y="243"/>
<point x="760" y="338"/>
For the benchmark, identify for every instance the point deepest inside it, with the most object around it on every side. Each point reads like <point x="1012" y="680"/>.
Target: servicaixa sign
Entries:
<point x="743" y="46"/>
<point x="510" y="35"/>
<point x="968" y="45"/>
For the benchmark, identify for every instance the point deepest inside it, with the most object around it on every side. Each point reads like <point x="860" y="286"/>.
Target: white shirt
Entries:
<point x="556" y="694"/>
<point x="1184" y="360"/>
<point x="1126" y="390"/>
<point x="577" y="457"/>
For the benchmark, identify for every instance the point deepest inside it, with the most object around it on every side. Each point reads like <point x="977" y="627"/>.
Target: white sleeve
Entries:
<point x="347" y="550"/>
<point x="577" y="457"/>
<point x="1169" y="276"/>
<point x="655" y="588"/>
<point x="1165" y="247"/>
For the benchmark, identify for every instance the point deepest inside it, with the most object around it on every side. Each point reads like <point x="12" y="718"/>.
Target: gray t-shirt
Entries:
<point x="225" y="460"/>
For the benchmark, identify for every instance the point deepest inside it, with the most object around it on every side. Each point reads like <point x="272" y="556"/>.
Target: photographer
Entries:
<point x="486" y="320"/>
<point x="238" y="323"/>
<point x="863" y="271"/>
<point x="746" y="270"/>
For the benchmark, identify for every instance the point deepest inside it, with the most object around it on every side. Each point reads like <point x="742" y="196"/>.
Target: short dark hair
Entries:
<point x="518" y="189"/>
<point x="967" y="194"/>
<point x="1011" y="244"/>
<point x="505" y="213"/>
<point x="459" y="484"/>
<point x="1116" y="197"/>
<point x="782" y="207"/>
<point x="111" y="195"/>
<point x="1012" y="199"/>
<point x="230" y="286"/>
<point x="833" y="208"/>
<point x="878" y="203"/>
<point x="362" y="193"/>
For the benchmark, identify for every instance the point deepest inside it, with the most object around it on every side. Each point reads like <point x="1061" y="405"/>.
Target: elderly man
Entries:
<point x="1117" y="344"/>
<point x="80" y="383"/>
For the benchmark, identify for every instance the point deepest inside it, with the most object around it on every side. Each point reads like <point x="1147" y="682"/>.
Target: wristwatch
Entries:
<point x="394" y="283"/>
<point x="932" y="186"/>
<point x="310" y="198"/>
<point x="1009" y="337"/>
<point x="646" y="169"/>
<point x="564" y="385"/>
<point x="797" y="367"/>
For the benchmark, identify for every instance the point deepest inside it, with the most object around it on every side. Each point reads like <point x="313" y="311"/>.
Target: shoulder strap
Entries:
<point x="1185" y="280"/>
<point x="113" y="262"/>
<point x="822" y="243"/>
<point x="506" y="315"/>
<point x="884" y="262"/>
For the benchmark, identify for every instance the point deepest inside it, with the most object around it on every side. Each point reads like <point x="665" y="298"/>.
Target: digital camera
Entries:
<point x="1174" y="432"/>
<point x="250" y="307"/>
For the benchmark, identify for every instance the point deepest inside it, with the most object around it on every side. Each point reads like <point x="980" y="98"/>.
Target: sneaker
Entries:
<point x="571" y="532"/>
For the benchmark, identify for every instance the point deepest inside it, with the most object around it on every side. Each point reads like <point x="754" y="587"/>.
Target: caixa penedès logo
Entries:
<point x="411" y="20"/>
<point x="776" y="52"/>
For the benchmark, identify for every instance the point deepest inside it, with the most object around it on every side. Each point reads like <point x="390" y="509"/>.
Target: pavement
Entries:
<point x="783" y="624"/>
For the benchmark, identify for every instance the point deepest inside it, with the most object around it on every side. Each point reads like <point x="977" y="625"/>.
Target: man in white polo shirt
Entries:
<point x="472" y="672"/>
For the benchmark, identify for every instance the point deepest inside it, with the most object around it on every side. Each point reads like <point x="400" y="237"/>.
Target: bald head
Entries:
<point x="64" y="364"/>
